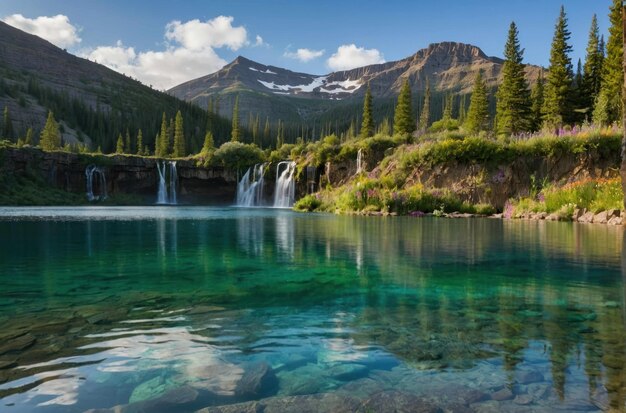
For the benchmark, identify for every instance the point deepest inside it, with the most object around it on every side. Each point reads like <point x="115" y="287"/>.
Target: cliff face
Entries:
<point x="125" y="175"/>
<point x="491" y="183"/>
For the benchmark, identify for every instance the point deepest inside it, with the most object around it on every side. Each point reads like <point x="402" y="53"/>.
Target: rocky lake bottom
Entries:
<point x="182" y="309"/>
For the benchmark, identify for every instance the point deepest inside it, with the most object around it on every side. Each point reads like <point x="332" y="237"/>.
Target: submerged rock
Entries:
<point x="397" y="402"/>
<point x="258" y="380"/>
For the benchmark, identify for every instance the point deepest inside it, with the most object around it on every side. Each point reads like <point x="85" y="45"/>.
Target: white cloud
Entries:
<point x="56" y="29"/>
<point x="190" y="54"/>
<point x="304" y="55"/>
<point x="349" y="56"/>
<point x="197" y="35"/>
<point x="259" y="41"/>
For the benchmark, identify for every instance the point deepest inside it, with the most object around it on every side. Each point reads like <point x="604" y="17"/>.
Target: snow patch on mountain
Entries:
<point x="315" y="83"/>
<point x="269" y="72"/>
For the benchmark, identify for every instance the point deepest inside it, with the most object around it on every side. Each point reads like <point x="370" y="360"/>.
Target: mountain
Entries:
<point x="449" y="68"/>
<point x="94" y="104"/>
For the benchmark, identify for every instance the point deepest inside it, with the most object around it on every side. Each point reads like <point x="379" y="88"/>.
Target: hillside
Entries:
<point x="93" y="103"/>
<point x="277" y="93"/>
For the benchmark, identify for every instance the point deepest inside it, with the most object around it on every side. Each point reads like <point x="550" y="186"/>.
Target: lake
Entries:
<point x="178" y="309"/>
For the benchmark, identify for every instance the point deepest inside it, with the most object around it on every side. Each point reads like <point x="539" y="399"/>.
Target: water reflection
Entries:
<point x="334" y="299"/>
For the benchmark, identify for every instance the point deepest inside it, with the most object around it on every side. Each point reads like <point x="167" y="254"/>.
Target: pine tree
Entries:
<point x="120" y="144"/>
<point x="557" y="108"/>
<point x="179" y="137"/>
<point x="403" y="123"/>
<point x="266" y="130"/>
<point x="217" y="105"/>
<point x="50" y="136"/>
<point x="140" y="150"/>
<point x="613" y="75"/>
<point x="592" y="70"/>
<point x="7" y="124"/>
<point x="170" y="136"/>
<point x="210" y="105"/>
<point x="536" y="97"/>
<point x="513" y="97"/>
<point x="235" y="135"/>
<point x="29" y="137"/>
<point x="478" y="113"/>
<point x="209" y="144"/>
<point x="162" y="146"/>
<point x="424" y="122"/>
<point x="367" y="125"/>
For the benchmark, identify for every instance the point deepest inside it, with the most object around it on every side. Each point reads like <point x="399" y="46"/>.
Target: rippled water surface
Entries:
<point x="179" y="309"/>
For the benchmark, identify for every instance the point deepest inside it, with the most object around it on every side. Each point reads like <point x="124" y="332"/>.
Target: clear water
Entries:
<point x="104" y="307"/>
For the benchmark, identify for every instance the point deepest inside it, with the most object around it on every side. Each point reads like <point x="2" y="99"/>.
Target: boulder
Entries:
<point x="586" y="218"/>
<point x="578" y="213"/>
<point x="615" y="221"/>
<point x="528" y="376"/>
<point x="600" y="218"/>
<point x="502" y="394"/>
<point x="258" y="380"/>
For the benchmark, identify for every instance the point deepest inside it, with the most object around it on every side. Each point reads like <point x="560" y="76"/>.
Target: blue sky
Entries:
<point x="133" y="33"/>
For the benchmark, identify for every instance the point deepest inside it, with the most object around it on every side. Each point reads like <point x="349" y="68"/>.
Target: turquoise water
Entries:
<point x="184" y="308"/>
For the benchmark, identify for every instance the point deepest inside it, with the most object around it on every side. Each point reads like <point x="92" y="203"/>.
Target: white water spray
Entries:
<point x="167" y="170"/>
<point x="250" y="187"/>
<point x="91" y="172"/>
<point x="359" y="161"/>
<point x="285" y="194"/>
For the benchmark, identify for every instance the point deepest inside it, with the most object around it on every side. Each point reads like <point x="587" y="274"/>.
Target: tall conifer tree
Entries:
<point x="424" y="122"/>
<point x="50" y="136"/>
<point x="513" y="97"/>
<point x="179" y="137"/>
<point x="478" y="113"/>
<point x="592" y="70"/>
<point x="140" y="143"/>
<point x="235" y="135"/>
<point x="367" y="125"/>
<point x="537" y="104"/>
<point x="403" y="123"/>
<point x="613" y="75"/>
<point x="557" y="107"/>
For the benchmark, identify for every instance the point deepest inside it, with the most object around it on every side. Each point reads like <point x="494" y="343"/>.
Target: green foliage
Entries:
<point x="179" y="137"/>
<point x="140" y="147"/>
<point x="307" y="204"/>
<point x="557" y="107"/>
<point x="29" y="137"/>
<point x="424" y="121"/>
<point x="236" y="132"/>
<point x="120" y="145"/>
<point x="613" y="75"/>
<point x="592" y="194"/>
<point x="367" y="125"/>
<point x="478" y="114"/>
<point x="601" y="111"/>
<point x="448" y="124"/>
<point x="513" y="109"/>
<point x="50" y="136"/>
<point x="237" y="155"/>
<point x="537" y="100"/>
<point x="403" y="122"/>
<point x="209" y="143"/>
<point x="162" y="145"/>
<point x="592" y="71"/>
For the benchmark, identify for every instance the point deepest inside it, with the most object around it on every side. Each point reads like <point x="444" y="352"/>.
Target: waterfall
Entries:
<point x="359" y="161"/>
<point x="100" y="183"/>
<point x="285" y="194"/>
<point x="163" y="196"/>
<point x="250" y="187"/>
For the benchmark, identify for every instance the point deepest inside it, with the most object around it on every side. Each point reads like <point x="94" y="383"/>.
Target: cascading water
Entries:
<point x="285" y="194"/>
<point x="91" y="172"/>
<point x="359" y="161"/>
<point x="250" y="187"/>
<point x="163" y="196"/>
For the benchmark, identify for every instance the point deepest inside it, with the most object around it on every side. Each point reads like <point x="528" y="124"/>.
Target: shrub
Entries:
<point x="307" y="204"/>
<point x="237" y="155"/>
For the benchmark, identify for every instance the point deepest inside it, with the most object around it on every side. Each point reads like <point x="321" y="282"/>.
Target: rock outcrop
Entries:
<point x="132" y="175"/>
